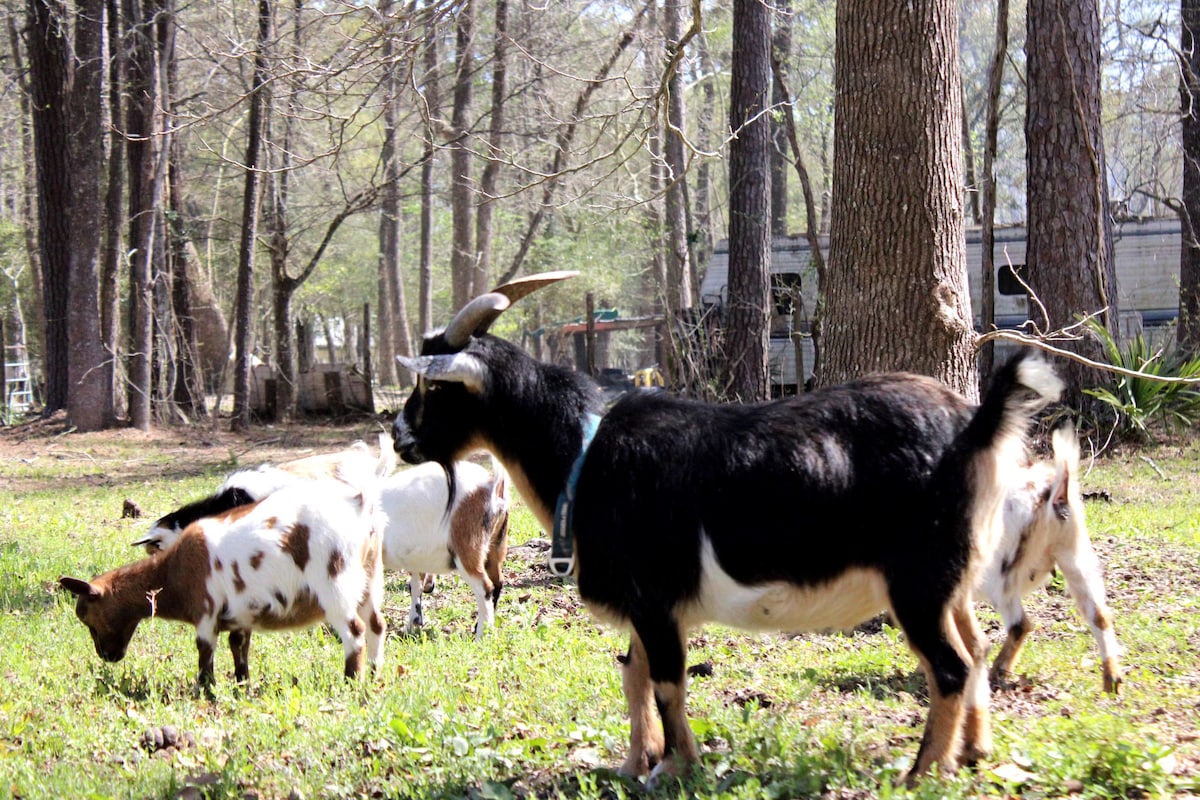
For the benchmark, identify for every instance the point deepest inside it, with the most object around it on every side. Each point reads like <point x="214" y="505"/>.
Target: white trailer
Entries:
<point x="1147" y="266"/>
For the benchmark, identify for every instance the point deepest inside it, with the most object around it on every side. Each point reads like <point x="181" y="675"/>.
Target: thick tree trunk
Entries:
<point x="748" y="318"/>
<point x="897" y="283"/>
<point x="1069" y="246"/>
<point x="89" y="369"/>
<point x="1188" y="329"/>
<point x="47" y="75"/>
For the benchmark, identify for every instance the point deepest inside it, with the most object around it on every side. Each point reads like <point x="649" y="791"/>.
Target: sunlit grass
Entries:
<point x="536" y="709"/>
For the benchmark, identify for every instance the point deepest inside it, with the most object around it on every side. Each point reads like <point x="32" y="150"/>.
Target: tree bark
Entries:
<point x="1068" y="251"/>
<point x="1188" y="329"/>
<point x="143" y="145"/>
<point x="781" y="45"/>
<point x="249" y="231"/>
<point x="114" y="209"/>
<point x="748" y="316"/>
<point x="491" y="170"/>
<point x="48" y="90"/>
<point x="29" y="183"/>
<point x="433" y="104"/>
<point x="987" y="283"/>
<point x="897" y="294"/>
<point x="680" y="288"/>
<point x="462" y="253"/>
<point x="89" y="369"/>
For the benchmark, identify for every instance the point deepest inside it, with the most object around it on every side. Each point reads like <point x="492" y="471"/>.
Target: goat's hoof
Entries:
<point x="1112" y="683"/>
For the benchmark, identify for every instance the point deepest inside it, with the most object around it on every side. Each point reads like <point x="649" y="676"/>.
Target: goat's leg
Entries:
<point x="239" y="647"/>
<point x="493" y="563"/>
<point x="1017" y="627"/>
<point x="370" y="611"/>
<point x="645" y="732"/>
<point x="666" y="652"/>
<point x="977" y="725"/>
<point x="206" y="642"/>
<point x="481" y="587"/>
<point x="1085" y="581"/>
<point x="933" y="636"/>
<point x="340" y="604"/>
<point x="416" y="612"/>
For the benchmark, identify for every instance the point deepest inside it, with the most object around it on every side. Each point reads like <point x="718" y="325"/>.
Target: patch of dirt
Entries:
<point x="127" y="453"/>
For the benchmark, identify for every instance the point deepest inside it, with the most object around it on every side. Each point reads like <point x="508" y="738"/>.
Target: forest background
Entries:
<point x="182" y="181"/>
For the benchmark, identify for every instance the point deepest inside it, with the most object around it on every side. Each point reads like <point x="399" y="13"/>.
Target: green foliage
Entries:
<point x="1142" y="404"/>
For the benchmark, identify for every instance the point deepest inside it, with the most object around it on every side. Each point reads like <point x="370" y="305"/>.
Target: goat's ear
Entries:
<point x="79" y="588"/>
<point x="457" y="368"/>
<point x="149" y="540"/>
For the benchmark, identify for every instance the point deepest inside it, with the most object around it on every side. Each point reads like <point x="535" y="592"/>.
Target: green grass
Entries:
<point x="536" y="709"/>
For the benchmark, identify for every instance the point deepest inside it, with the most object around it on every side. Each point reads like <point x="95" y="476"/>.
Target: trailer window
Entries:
<point x="1009" y="284"/>
<point x="785" y="287"/>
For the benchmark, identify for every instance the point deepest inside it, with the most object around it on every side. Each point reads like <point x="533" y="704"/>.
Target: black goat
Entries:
<point x="807" y="513"/>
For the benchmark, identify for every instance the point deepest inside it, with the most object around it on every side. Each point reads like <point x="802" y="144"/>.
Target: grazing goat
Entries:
<point x="308" y="552"/>
<point x="437" y="526"/>
<point x="355" y="466"/>
<point x="810" y="512"/>
<point x="1044" y="526"/>
<point x="430" y="530"/>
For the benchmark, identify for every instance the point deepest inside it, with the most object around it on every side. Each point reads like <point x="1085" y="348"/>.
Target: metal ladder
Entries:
<point x="18" y="391"/>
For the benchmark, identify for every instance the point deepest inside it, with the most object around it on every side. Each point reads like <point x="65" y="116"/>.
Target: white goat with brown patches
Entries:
<point x="354" y="466"/>
<point x="437" y="527"/>
<point x="1045" y="526"/>
<point x="309" y="552"/>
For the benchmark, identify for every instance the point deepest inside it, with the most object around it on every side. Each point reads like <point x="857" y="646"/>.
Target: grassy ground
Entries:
<point x="536" y="709"/>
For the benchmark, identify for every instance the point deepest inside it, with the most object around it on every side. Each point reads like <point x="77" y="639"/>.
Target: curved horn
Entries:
<point x="475" y="317"/>
<point x="515" y="290"/>
<point x="478" y="315"/>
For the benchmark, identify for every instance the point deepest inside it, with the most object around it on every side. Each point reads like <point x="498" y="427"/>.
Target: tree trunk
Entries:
<point x="114" y="209"/>
<point x="462" y="253"/>
<point x="491" y="170"/>
<point x="47" y="76"/>
<point x="29" y="183"/>
<point x="250" y="198"/>
<point x="1188" y="329"/>
<point x="433" y="103"/>
<point x="987" y="283"/>
<point x="393" y="311"/>
<point x="143" y="123"/>
<point x="748" y="318"/>
<point x="89" y="369"/>
<point x="680" y="289"/>
<point x="702" y="203"/>
<point x="897" y="294"/>
<point x="781" y="44"/>
<point x="1068" y="251"/>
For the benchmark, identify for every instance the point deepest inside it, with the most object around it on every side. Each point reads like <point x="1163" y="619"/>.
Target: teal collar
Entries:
<point x="562" y="542"/>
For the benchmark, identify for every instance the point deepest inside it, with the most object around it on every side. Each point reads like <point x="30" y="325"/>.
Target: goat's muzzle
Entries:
<point x="404" y="444"/>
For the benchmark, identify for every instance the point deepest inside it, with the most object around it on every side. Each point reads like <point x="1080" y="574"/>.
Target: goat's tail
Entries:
<point x="993" y="446"/>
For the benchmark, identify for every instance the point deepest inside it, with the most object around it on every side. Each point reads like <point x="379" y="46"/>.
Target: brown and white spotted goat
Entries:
<point x="1044" y="527"/>
<point x="307" y="553"/>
